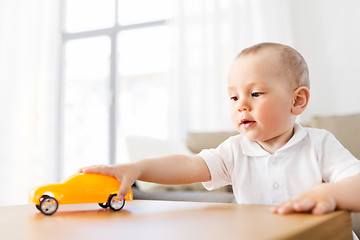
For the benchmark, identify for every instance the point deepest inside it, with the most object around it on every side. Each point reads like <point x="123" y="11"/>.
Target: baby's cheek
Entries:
<point x="234" y="118"/>
<point x="272" y="116"/>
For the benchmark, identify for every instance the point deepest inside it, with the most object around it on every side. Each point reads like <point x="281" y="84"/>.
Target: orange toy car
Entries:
<point x="79" y="188"/>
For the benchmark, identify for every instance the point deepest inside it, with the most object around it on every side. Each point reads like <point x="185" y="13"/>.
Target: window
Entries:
<point x="115" y="78"/>
<point x="143" y="67"/>
<point x="86" y="106"/>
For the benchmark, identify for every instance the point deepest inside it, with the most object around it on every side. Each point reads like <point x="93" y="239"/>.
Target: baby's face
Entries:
<point x="261" y="98"/>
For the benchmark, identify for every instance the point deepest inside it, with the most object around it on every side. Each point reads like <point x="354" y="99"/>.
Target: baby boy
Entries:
<point x="273" y="160"/>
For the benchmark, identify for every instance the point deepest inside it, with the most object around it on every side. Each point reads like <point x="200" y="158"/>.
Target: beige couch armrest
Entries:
<point x="346" y="129"/>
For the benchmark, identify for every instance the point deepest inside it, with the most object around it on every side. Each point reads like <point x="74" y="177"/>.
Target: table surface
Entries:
<point x="144" y="219"/>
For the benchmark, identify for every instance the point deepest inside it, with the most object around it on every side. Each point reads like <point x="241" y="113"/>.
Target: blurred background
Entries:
<point x="78" y="77"/>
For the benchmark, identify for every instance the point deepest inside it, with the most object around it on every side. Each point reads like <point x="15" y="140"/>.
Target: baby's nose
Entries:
<point x="244" y="107"/>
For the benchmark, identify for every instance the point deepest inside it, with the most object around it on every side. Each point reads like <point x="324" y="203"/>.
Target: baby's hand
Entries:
<point x="317" y="200"/>
<point x="127" y="174"/>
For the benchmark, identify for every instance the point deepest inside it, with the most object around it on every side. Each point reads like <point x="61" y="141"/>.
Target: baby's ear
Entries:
<point x="300" y="100"/>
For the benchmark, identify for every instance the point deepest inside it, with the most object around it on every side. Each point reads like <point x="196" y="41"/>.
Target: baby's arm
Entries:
<point x="325" y="198"/>
<point x="174" y="169"/>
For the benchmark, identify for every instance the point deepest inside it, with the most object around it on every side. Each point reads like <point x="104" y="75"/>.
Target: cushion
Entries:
<point x="198" y="141"/>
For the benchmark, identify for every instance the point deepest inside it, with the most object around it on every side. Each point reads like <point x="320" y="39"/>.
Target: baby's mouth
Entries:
<point x="246" y="123"/>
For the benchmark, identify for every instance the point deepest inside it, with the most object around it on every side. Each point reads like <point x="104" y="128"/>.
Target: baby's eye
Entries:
<point x="234" y="98"/>
<point x="256" y="94"/>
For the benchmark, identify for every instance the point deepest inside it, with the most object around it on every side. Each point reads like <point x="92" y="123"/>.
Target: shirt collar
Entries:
<point x="251" y="148"/>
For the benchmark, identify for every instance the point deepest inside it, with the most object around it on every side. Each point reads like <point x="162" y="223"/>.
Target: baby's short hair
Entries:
<point x="293" y="61"/>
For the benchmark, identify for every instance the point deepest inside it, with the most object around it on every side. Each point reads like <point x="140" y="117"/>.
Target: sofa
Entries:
<point x="346" y="128"/>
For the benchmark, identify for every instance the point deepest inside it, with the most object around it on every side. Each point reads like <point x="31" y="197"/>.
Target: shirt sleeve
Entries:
<point x="218" y="161"/>
<point x="336" y="161"/>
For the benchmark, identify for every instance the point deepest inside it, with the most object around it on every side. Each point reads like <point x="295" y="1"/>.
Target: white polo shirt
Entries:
<point x="310" y="157"/>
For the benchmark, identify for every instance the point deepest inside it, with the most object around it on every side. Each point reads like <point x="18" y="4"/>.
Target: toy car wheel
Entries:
<point x="114" y="203"/>
<point x="42" y="198"/>
<point x="103" y="205"/>
<point x="48" y="205"/>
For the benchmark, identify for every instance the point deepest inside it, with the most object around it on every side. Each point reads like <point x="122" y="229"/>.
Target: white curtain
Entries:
<point x="29" y="49"/>
<point x="210" y="34"/>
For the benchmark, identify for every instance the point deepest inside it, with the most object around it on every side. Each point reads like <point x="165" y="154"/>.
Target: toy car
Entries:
<point x="79" y="188"/>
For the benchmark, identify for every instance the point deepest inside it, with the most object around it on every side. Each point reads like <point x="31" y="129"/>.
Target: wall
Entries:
<point x="328" y="36"/>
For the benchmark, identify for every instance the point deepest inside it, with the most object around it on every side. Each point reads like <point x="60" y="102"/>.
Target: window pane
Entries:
<point x="86" y="99"/>
<point x="144" y="57"/>
<point x="136" y="11"/>
<point x="84" y="15"/>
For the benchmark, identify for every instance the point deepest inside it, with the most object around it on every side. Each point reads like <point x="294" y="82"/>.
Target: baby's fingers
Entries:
<point x="324" y="207"/>
<point x="290" y="206"/>
<point x="88" y="168"/>
<point x="305" y="205"/>
<point x="101" y="169"/>
<point x="124" y="188"/>
<point x="283" y="208"/>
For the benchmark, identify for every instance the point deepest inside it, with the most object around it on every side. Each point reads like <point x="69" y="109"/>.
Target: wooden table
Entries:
<point x="142" y="219"/>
